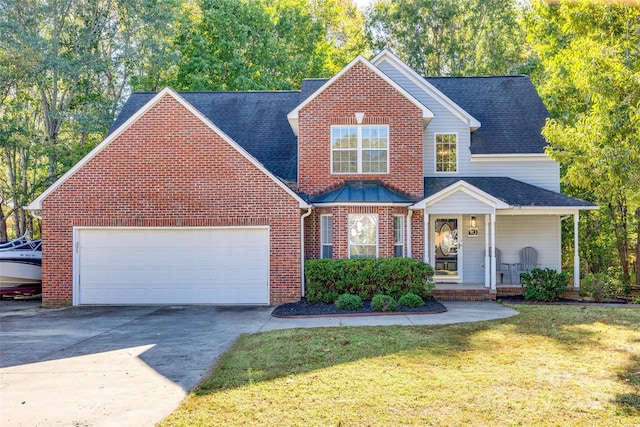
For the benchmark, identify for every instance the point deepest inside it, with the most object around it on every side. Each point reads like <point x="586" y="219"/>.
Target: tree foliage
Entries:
<point x="64" y="68"/>
<point x="260" y="44"/>
<point x="588" y="73"/>
<point x="456" y="37"/>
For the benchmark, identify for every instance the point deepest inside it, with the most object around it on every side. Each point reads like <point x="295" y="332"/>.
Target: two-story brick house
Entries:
<point x="219" y="197"/>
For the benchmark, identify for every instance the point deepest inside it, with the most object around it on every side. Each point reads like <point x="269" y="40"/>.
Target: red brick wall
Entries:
<point x="169" y="169"/>
<point x="360" y="90"/>
<point x="385" y="230"/>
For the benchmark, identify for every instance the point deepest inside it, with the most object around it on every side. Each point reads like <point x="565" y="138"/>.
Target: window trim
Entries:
<point x="324" y="244"/>
<point x="359" y="150"/>
<point x="377" y="244"/>
<point x="435" y="153"/>
<point x="402" y="237"/>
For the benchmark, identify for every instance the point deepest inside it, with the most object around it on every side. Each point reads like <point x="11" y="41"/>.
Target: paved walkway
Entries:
<point x="132" y="366"/>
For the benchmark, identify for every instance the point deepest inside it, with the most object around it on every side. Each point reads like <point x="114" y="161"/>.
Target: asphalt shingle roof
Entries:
<point x="361" y="192"/>
<point x="255" y="120"/>
<point x="508" y="107"/>
<point x="511" y="191"/>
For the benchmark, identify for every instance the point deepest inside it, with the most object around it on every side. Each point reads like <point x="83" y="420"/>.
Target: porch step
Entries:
<point x="508" y="291"/>
<point x="462" y="295"/>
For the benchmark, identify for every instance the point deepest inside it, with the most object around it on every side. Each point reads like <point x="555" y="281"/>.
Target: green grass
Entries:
<point x="548" y="366"/>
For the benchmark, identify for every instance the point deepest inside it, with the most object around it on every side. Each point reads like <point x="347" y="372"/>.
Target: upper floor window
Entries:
<point x="446" y="152"/>
<point x="360" y="149"/>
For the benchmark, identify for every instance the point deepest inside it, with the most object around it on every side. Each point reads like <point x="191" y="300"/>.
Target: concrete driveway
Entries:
<point x="132" y="366"/>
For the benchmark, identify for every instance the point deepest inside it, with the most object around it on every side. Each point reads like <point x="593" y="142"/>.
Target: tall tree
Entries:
<point x="456" y="37"/>
<point x="588" y="74"/>
<point x="83" y="56"/>
<point x="263" y="44"/>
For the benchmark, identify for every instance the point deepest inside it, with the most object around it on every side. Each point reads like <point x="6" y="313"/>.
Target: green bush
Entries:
<point x="544" y="285"/>
<point x="349" y="302"/>
<point x="383" y="303"/>
<point x="411" y="300"/>
<point x="601" y="287"/>
<point x="328" y="278"/>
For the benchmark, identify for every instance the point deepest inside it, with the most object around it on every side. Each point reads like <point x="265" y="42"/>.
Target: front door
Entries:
<point x="447" y="249"/>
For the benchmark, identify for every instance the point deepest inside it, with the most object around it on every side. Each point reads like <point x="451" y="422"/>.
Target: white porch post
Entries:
<point x="576" y="255"/>
<point x="426" y="245"/>
<point x="487" y="257"/>
<point x="493" y="251"/>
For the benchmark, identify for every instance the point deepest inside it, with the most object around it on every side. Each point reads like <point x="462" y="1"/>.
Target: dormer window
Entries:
<point x="446" y="152"/>
<point x="360" y="149"/>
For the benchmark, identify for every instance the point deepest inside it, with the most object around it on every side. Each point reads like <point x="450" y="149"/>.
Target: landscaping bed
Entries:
<point x="318" y="309"/>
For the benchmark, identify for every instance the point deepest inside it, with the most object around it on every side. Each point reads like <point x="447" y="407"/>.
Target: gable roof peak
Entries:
<point x="422" y="83"/>
<point x="427" y="114"/>
<point x="37" y="203"/>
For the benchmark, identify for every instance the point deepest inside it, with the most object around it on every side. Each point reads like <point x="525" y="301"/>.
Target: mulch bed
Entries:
<point x="304" y="308"/>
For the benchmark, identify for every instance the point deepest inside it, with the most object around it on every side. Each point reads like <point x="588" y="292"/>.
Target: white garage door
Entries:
<point x="172" y="265"/>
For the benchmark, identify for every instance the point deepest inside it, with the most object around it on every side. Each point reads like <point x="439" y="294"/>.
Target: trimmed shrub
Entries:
<point x="383" y="303"/>
<point x="349" y="302"/>
<point x="544" y="285"/>
<point x="328" y="278"/>
<point x="601" y="287"/>
<point x="411" y="300"/>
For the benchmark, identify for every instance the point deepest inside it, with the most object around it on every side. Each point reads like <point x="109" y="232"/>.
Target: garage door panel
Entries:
<point x="167" y="266"/>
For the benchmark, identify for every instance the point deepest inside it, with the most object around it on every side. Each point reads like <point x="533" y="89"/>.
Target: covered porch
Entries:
<point x="480" y="238"/>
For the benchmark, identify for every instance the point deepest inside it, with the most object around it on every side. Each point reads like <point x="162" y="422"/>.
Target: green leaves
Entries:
<point x="456" y="37"/>
<point x="263" y="45"/>
<point x="366" y="277"/>
<point x="589" y="77"/>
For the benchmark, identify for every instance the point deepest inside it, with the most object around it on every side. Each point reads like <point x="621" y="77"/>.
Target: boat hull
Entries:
<point x="16" y="273"/>
<point x="20" y="267"/>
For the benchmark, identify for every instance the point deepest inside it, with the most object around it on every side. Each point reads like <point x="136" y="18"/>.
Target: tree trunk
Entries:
<point x="3" y="226"/>
<point x="620" y="226"/>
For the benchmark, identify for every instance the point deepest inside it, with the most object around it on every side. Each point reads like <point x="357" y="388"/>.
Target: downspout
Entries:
<point x="302" y="217"/>
<point x="409" y="215"/>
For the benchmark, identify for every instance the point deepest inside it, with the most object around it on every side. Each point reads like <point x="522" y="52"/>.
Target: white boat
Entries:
<point x="20" y="266"/>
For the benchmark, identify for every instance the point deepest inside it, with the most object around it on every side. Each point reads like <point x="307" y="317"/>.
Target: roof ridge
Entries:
<point x="477" y="77"/>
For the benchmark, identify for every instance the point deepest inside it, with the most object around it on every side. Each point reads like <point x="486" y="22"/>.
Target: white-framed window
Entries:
<point x="398" y="236"/>
<point x="446" y="147"/>
<point x="363" y="235"/>
<point x="326" y="236"/>
<point x="360" y="149"/>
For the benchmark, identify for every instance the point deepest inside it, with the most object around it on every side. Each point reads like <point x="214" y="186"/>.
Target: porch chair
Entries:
<point x="528" y="261"/>
<point x="501" y="267"/>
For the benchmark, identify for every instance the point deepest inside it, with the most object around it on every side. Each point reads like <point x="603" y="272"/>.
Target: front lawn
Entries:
<point x="550" y="366"/>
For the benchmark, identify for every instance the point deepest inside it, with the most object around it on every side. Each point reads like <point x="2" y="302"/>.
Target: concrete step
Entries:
<point x="462" y="295"/>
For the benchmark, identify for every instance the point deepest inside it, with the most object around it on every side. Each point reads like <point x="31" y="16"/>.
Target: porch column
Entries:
<point x="487" y="257"/>
<point x="426" y="245"/>
<point x="493" y="251"/>
<point x="576" y="255"/>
